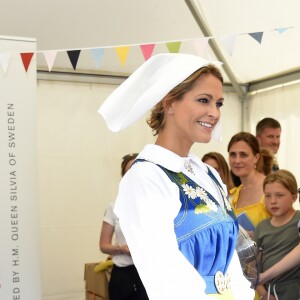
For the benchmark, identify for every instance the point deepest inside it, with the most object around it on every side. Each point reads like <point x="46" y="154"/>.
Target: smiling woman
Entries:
<point x="172" y="208"/>
<point x="246" y="161"/>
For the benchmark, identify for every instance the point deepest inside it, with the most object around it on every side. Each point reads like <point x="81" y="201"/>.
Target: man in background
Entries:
<point x="268" y="132"/>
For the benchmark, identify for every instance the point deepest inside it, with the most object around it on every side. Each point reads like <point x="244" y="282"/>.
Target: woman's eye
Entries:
<point x="203" y="100"/>
<point x="220" y="104"/>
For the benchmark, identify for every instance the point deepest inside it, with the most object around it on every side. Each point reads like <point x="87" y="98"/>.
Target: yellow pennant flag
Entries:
<point x="122" y="53"/>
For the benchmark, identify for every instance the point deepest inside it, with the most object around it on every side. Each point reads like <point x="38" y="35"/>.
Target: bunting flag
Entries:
<point x="228" y="43"/>
<point x="201" y="46"/>
<point x="98" y="54"/>
<point x="257" y="36"/>
<point x="26" y="59"/>
<point x="282" y="30"/>
<point x="4" y="61"/>
<point x="147" y="50"/>
<point x="173" y="47"/>
<point x="122" y="53"/>
<point x="74" y="56"/>
<point x="50" y="56"/>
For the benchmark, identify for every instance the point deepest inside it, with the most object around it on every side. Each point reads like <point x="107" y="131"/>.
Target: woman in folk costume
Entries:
<point x="172" y="208"/>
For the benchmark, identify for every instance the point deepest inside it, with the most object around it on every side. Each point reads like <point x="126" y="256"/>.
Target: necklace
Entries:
<point x="188" y="166"/>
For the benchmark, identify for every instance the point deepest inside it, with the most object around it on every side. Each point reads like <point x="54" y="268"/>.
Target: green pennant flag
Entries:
<point x="173" y="47"/>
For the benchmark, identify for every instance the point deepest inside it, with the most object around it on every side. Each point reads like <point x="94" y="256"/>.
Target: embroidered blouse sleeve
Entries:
<point x="146" y="205"/>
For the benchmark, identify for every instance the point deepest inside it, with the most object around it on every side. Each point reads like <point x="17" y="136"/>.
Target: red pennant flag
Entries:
<point x="26" y="59"/>
<point x="147" y="50"/>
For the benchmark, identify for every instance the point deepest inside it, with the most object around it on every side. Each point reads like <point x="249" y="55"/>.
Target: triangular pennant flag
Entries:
<point x="228" y="42"/>
<point x="257" y="36"/>
<point x="4" y="61"/>
<point x="74" y="56"/>
<point x="281" y="30"/>
<point x="147" y="50"/>
<point x="98" y="54"/>
<point x="122" y="53"/>
<point x="173" y="47"/>
<point x="26" y="59"/>
<point x="50" y="56"/>
<point x="201" y="46"/>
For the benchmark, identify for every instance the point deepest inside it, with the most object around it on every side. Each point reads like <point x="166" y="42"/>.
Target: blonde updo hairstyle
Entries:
<point x="157" y="118"/>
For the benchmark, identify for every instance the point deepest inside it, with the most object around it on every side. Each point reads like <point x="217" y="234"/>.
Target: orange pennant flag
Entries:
<point x="26" y="59"/>
<point x="122" y="53"/>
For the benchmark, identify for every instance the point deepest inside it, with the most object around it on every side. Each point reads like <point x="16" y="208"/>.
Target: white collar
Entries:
<point x="168" y="159"/>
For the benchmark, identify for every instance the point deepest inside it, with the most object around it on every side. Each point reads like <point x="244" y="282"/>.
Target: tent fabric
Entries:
<point x="79" y="159"/>
<point x="111" y="24"/>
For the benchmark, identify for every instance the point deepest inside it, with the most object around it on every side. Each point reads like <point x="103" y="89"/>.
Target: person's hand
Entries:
<point x="265" y="297"/>
<point x="124" y="249"/>
<point x="251" y="234"/>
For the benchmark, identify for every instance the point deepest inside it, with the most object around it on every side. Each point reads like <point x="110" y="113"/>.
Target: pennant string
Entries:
<point x="200" y="45"/>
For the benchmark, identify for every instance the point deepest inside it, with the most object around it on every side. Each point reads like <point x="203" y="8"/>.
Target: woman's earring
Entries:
<point x="171" y="111"/>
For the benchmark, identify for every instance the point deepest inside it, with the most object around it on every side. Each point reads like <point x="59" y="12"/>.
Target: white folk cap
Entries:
<point x="148" y="85"/>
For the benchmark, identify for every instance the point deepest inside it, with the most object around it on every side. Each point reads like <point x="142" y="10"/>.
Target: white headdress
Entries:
<point x="148" y="85"/>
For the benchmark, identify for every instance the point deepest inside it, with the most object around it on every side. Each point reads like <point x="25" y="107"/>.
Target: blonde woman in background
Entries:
<point x="218" y="162"/>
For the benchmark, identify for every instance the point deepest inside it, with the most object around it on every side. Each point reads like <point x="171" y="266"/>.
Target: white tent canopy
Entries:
<point x="71" y="25"/>
<point x="79" y="158"/>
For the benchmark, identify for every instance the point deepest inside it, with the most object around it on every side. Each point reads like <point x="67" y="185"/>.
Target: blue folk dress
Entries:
<point x="206" y="232"/>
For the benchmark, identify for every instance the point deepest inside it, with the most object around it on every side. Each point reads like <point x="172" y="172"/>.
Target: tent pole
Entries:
<point x="245" y="113"/>
<point x="199" y="18"/>
<point x="241" y="90"/>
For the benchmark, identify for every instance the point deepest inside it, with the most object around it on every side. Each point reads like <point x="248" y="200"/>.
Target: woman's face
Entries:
<point x="242" y="161"/>
<point x="193" y="118"/>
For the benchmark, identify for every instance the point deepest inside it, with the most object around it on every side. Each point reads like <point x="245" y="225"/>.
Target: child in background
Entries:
<point x="278" y="235"/>
<point x="290" y="261"/>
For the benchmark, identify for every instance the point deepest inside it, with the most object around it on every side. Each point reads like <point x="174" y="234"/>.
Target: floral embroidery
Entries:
<point x="199" y="192"/>
<point x="190" y="191"/>
<point x="201" y="208"/>
<point x="227" y="203"/>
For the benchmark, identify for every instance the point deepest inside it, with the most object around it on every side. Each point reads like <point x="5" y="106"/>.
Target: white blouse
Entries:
<point x="147" y="204"/>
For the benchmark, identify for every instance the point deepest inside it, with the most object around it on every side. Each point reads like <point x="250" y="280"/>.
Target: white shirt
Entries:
<point x="120" y="260"/>
<point x="147" y="204"/>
